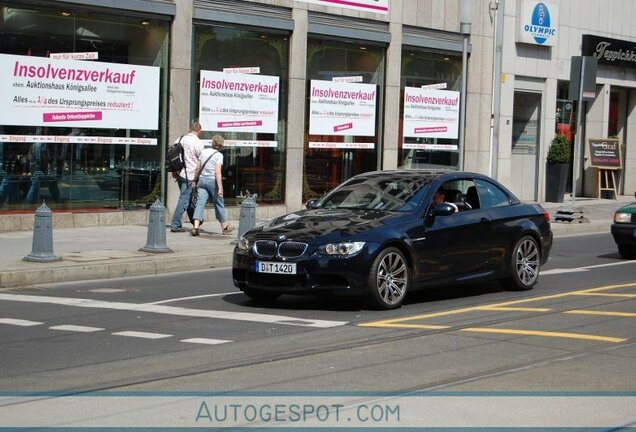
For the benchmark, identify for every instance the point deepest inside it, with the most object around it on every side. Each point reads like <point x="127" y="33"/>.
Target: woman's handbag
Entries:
<point x="192" y="204"/>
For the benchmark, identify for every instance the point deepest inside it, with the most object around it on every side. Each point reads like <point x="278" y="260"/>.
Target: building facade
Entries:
<point x="307" y="94"/>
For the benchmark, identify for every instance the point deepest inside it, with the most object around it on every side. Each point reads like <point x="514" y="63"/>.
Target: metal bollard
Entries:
<point x="42" y="249"/>
<point x="156" y="242"/>
<point x="247" y="217"/>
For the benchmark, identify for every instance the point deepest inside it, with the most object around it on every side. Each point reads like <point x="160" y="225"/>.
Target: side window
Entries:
<point x="456" y="192"/>
<point x="490" y="195"/>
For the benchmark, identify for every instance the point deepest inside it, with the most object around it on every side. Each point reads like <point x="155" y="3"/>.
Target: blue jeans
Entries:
<point x="207" y="187"/>
<point x="184" y="197"/>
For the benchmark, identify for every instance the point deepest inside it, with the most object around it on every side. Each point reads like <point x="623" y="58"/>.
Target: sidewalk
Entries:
<point x="113" y="251"/>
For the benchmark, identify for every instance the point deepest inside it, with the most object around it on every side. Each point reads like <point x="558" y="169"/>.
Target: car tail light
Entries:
<point x="546" y="216"/>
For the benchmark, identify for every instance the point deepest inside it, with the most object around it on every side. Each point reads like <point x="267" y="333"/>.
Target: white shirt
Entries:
<point x="192" y="149"/>
<point x="216" y="159"/>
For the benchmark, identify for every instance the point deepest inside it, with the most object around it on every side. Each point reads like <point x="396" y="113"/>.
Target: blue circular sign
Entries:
<point x="541" y="23"/>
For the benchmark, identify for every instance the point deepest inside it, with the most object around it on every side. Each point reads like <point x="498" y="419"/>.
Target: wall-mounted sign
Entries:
<point x="605" y="153"/>
<point x="238" y="102"/>
<point x="342" y="108"/>
<point x="40" y="91"/>
<point x="609" y="51"/>
<point x="431" y="113"/>
<point x="537" y="22"/>
<point x="378" y="6"/>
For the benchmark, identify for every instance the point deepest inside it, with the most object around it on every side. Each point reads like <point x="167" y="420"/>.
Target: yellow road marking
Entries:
<point x="544" y="333"/>
<point x="514" y="309"/>
<point x="384" y="324"/>
<point x="606" y="295"/>
<point x="602" y="313"/>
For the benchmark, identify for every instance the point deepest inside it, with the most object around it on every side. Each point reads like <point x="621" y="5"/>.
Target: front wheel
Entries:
<point x="525" y="262"/>
<point x="388" y="279"/>
<point x="626" y="251"/>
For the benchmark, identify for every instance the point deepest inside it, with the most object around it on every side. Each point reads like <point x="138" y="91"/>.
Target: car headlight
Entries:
<point x="344" y="249"/>
<point x="622" y="217"/>
<point x="243" y="244"/>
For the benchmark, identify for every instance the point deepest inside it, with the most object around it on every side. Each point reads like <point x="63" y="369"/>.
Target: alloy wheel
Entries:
<point x="527" y="262"/>
<point x="391" y="278"/>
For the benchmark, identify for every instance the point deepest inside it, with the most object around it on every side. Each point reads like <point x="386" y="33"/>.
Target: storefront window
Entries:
<point x="76" y="133"/>
<point x="345" y="90"/>
<point x="239" y="91"/>
<point x="564" y="111"/>
<point x="429" y="130"/>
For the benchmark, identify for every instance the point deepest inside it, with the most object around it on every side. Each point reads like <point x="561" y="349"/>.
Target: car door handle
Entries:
<point x="484" y="220"/>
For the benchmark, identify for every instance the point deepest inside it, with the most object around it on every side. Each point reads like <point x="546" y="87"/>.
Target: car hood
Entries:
<point x="307" y="225"/>
<point x="629" y="208"/>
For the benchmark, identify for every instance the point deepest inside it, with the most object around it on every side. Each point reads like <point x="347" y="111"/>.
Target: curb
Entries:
<point x="57" y="273"/>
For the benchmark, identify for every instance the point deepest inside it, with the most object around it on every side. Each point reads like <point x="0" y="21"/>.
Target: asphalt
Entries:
<point x="114" y="251"/>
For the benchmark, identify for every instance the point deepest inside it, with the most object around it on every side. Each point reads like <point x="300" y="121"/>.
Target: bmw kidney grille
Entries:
<point x="286" y="249"/>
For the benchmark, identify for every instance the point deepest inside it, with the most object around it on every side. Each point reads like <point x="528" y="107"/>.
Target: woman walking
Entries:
<point x="210" y="184"/>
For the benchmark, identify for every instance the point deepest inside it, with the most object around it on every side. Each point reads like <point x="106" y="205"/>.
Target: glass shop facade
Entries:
<point x="86" y="106"/>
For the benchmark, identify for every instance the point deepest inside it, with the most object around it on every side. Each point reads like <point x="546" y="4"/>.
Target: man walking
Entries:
<point x="192" y="148"/>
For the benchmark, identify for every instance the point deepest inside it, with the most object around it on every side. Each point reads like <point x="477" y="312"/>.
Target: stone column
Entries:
<point x="392" y="102"/>
<point x="296" y="110"/>
<point x="179" y="116"/>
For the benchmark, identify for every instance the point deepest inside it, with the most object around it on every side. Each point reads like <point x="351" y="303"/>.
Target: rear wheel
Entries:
<point x="260" y="295"/>
<point x="388" y="279"/>
<point x="525" y="262"/>
<point x="626" y="251"/>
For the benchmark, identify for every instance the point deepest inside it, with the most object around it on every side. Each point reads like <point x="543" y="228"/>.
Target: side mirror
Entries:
<point x="444" y="209"/>
<point x="312" y="203"/>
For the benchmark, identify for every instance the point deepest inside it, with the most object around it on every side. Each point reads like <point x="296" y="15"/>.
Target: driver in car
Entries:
<point x="440" y="197"/>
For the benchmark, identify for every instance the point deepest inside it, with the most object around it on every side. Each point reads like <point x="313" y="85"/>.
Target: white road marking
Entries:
<point x="172" y="310"/>
<point x="206" y="341"/>
<point x="19" y="322"/>
<point x="194" y="297"/>
<point x="584" y="269"/>
<point x="76" y="328"/>
<point x="143" y="335"/>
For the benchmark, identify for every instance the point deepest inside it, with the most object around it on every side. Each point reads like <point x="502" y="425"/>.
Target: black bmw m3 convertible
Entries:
<point x="383" y="234"/>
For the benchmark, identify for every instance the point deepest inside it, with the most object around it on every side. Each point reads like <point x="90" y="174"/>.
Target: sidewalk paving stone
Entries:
<point x="113" y="251"/>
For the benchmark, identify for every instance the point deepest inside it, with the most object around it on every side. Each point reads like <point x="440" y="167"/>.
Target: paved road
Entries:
<point x="193" y="332"/>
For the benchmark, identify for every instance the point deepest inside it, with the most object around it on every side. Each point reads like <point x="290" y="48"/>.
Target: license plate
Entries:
<point x="275" y="267"/>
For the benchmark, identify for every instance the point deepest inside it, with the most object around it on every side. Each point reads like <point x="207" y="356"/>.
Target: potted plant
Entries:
<point x="558" y="167"/>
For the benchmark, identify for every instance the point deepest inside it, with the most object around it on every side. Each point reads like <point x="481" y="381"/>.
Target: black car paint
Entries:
<point x="470" y="245"/>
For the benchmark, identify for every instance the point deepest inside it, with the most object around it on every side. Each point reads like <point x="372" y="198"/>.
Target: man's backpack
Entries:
<point x="175" y="160"/>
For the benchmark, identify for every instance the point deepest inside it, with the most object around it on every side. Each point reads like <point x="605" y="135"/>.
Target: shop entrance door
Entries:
<point x="526" y="131"/>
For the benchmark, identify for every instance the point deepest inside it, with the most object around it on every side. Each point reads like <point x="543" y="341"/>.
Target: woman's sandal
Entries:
<point x="228" y="229"/>
<point x="195" y="232"/>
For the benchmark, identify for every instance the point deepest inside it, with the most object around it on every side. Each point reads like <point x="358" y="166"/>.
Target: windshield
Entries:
<point x="377" y="193"/>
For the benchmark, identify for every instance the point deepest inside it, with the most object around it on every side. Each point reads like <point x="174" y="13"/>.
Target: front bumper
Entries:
<point x="624" y="233"/>
<point x="314" y="273"/>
